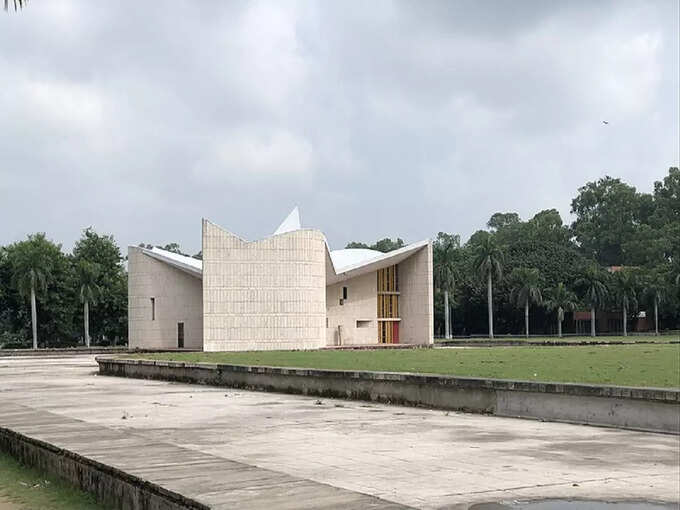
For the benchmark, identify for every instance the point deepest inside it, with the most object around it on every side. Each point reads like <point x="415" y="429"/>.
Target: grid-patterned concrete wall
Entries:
<point x="415" y="301"/>
<point x="263" y="295"/>
<point x="178" y="298"/>
<point x="361" y="305"/>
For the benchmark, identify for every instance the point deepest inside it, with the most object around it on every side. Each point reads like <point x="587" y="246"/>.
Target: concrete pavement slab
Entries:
<point x="235" y="447"/>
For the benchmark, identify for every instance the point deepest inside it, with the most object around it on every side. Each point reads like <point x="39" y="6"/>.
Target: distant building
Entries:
<point x="287" y="291"/>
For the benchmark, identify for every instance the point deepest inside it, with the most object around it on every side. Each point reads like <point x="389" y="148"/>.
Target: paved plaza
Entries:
<point x="239" y="448"/>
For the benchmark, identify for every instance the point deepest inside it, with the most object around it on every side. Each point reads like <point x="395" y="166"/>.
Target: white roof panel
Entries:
<point x="351" y="256"/>
<point x="183" y="262"/>
<point x="291" y="223"/>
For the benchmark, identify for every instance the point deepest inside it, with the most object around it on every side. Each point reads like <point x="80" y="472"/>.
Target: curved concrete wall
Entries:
<point x="263" y="295"/>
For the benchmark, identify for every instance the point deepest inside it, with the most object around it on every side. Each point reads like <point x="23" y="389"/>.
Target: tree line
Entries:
<point x="620" y="255"/>
<point x="49" y="298"/>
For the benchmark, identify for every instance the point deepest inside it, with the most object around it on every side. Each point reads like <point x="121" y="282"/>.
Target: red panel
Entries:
<point x="395" y="333"/>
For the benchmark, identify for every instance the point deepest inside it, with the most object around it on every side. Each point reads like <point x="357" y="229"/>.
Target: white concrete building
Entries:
<point x="287" y="291"/>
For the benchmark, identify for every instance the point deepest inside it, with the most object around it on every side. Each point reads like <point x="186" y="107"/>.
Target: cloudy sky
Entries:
<point x="377" y="118"/>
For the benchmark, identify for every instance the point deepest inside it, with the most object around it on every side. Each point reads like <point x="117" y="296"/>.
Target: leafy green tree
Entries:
<point x="87" y="273"/>
<point x="562" y="300"/>
<point x="387" y="245"/>
<point x="526" y="290"/>
<point x="625" y="289"/>
<point x="174" y="248"/>
<point x="384" y="245"/>
<point x="499" y="221"/>
<point x="593" y="287"/>
<point x="607" y="212"/>
<point x="444" y="255"/>
<point x="31" y="270"/>
<point x="488" y="262"/>
<point x="547" y="227"/>
<point x="110" y="322"/>
<point x="667" y="199"/>
<point x="357" y="245"/>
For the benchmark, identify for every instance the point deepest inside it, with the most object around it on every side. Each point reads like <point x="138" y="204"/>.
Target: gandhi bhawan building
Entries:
<point x="287" y="291"/>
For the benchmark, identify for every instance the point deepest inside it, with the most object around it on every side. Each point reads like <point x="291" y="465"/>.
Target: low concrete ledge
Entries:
<point x="70" y="351"/>
<point x="650" y="409"/>
<point x="545" y="343"/>
<point x="108" y="485"/>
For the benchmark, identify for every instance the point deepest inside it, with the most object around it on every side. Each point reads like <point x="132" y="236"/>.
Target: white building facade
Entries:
<point x="287" y="291"/>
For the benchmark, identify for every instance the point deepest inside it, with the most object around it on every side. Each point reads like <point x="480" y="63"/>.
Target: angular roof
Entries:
<point x="340" y="264"/>
<point x="361" y="261"/>
<point x="291" y="223"/>
<point x="352" y="256"/>
<point x="187" y="264"/>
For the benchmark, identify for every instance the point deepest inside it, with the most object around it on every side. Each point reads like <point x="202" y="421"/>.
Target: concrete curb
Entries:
<point x="546" y="343"/>
<point x="70" y="351"/>
<point x="649" y="409"/>
<point x="108" y="485"/>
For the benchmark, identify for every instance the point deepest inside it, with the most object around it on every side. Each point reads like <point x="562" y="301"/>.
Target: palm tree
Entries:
<point x="17" y="4"/>
<point x="625" y="287"/>
<point x="655" y="291"/>
<point x="594" y="291"/>
<point x="30" y="273"/>
<point x="488" y="262"/>
<point x="445" y="275"/>
<point x="525" y="291"/>
<point x="87" y="273"/>
<point x="561" y="299"/>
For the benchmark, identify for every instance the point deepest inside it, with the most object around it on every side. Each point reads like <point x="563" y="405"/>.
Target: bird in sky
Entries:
<point x="605" y="122"/>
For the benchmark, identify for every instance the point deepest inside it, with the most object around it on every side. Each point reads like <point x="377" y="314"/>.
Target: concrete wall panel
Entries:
<point x="263" y="295"/>
<point x="416" y="300"/>
<point x="361" y="304"/>
<point x="178" y="298"/>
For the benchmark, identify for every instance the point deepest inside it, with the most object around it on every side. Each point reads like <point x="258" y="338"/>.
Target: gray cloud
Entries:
<point x="379" y="118"/>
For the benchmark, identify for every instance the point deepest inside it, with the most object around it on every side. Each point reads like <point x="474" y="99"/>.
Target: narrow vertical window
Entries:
<point x="180" y="335"/>
<point x="344" y="293"/>
<point x="153" y="309"/>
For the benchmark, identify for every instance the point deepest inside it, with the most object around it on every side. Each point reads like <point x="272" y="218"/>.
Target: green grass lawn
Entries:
<point x="624" y="365"/>
<point x="571" y="339"/>
<point x="27" y="488"/>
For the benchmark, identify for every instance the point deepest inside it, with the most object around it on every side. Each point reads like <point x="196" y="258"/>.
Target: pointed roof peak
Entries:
<point x="291" y="223"/>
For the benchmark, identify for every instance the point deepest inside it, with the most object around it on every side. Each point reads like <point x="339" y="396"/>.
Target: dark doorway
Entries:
<point x="180" y="335"/>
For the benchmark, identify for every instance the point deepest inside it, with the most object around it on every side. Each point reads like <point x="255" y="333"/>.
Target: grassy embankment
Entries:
<point x="24" y="488"/>
<point x="623" y="365"/>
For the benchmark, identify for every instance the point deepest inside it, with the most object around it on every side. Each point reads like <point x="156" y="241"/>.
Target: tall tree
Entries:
<point x="654" y="292"/>
<point x="499" y="221"/>
<point x="593" y="291"/>
<point x="625" y="288"/>
<point x="87" y="273"/>
<point x="384" y="245"/>
<point x="526" y="290"/>
<point x="562" y="300"/>
<point x="607" y="213"/>
<point x="31" y="267"/>
<point x="110" y="322"/>
<point x="18" y="4"/>
<point x="488" y="262"/>
<point x="444" y="250"/>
